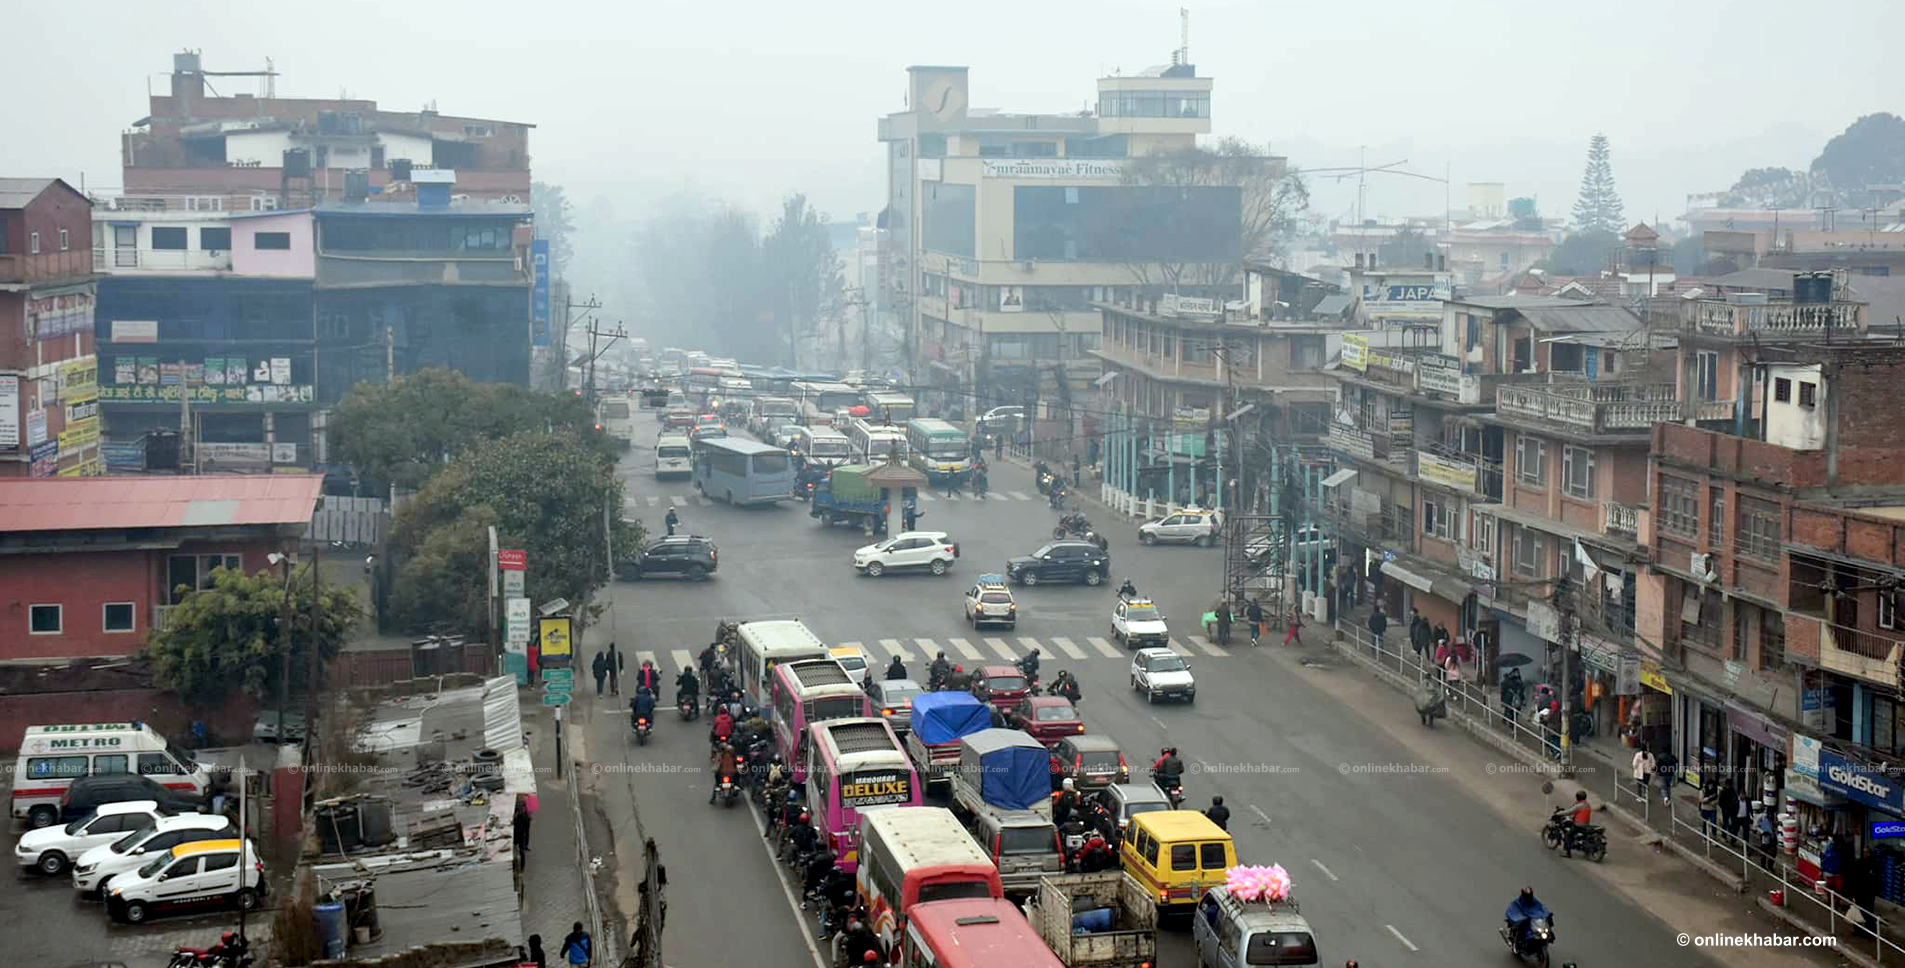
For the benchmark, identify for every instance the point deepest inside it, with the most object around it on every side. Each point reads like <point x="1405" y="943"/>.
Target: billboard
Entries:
<point x="555" y="638"/>
<point x="10" y="412"/>
<point x="539" y="293"/>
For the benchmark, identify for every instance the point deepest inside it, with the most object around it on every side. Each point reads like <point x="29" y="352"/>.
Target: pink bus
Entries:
<point x="807" y="692"/>
<point x="855" y="764"/>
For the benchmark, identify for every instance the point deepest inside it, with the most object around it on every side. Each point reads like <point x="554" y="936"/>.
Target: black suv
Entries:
<point x="88" y="792"/>
<point x="1061" y="561"/>
<point x="690" y="556"/>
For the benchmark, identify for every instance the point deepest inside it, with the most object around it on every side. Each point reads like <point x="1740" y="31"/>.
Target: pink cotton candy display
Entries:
<point x="1255" y="883"/>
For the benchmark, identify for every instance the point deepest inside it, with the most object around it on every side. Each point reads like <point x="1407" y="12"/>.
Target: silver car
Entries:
<point x="893" y="699"/>
<point x="1200" y="528"/>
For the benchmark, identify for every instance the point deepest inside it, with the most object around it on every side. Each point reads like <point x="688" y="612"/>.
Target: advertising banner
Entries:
<point x="555" y="639"/>
<point x="1356" y="352"/>
<point x="867" y="788"/>
<point x="539" y="293"/>
<point x="10" y="412"/>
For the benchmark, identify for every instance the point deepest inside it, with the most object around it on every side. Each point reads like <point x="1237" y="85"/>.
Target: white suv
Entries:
<point x="1193" y="526"/>
<point x="50" y="849"/>
<point x="95" y="867"/>
<point x="208" y="873"/>
<point x="1162" y="674"/>
<point x="931" y="550"/>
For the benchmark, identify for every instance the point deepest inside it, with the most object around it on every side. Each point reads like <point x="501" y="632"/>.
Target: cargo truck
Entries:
<point x="1100" y="920"/>
<point x="847" y="497"/>
<point x="939" y="720"/>
<point x="1005" y="769"/>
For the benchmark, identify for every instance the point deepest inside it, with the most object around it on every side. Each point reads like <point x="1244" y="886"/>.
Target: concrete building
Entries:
<point x="49" y="408"/>
<point x="197" y="150"/>
<point x="1006" y="228"/>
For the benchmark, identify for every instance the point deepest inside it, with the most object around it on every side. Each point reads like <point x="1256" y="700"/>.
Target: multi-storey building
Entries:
<point x="49" y="408"/>
<point x="1006" y="228"/>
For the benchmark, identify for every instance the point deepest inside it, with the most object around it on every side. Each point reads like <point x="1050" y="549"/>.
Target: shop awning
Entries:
<point x="1395" y="570"/>
<point x="1432" y="580"/>
<point x="1336" y="479"/>
<point x="1104" y="379"/>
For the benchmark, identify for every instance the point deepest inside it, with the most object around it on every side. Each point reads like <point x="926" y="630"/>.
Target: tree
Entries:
<point x="801" y="270"/>
<point x="233" y="634"/>
<point x="403" y="432"/>
<point x="1581" y="254"/>
<point x="1869" y="152"/>
<point x="1272" y="199"/>
<point x="554" y="221"/>
<point x="1770" y="188"/>
<point x="1405" y="249"/>
<point x="546" y="493"/>
<point x="1598" y="210"/>
<point x="698" y="264"/>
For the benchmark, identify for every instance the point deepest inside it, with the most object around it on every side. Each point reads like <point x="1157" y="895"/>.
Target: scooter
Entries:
<point x="642" y="727"/>
<point x="1533" y="949"/>
<point x="1590" y="840"/>
<point x="729" y="793"/>
<point x="1171" y="787"/>
<point x="688" y="707"/>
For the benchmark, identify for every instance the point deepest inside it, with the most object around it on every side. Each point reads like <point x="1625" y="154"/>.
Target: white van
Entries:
<point x="673" y="456"/>
<point x="52" y="757"/>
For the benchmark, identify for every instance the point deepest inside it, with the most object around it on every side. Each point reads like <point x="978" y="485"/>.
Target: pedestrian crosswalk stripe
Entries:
<point x="1180" y="650"/>
<point x="652" y="500"/>
<point x="677" y="500"/>
<point x="1205" y="644"/>
<point x="895" y="649"/>
<point x="965" y="648"/>
<point x="683" y="658"/>
<point x="1017" y="495"/>
<point x="700" y="500"/>
<point x="1065" y="645"/>
<point x="1004" y="651"/>
<point x="928" y="496"/>
<point x="927" y="647"/>
<point x="952" y="495"/>
<point x="1029" y="643"/>
<point x="1104" y="648"/>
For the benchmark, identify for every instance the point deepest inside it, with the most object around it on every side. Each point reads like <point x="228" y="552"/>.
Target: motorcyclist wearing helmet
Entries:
<point x="1127" y="591"/>
<point x="724" y="768"/>
<point x="1029" y="664"/>
<point x="897" y="670"/>
<point x="1167" y="770"/>
<point x="687" y="686"/>
<point x="859" y="945"/>
<point x="1067" y="802"/>
<point x="1065" y="685"/>
<point x="642" y="706"/>
<point x="1523" y="910"/>
<point x="938" y="671"/>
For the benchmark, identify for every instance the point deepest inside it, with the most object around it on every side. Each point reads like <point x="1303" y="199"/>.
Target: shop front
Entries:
<point x="1703" y="735"/>
<point x="1647" y="716"/>
<point x="1757" y="752"/>
<point x="1612" y="680"/>
<point x="1871" y="800"/>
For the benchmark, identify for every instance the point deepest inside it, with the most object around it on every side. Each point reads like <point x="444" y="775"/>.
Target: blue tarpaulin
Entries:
<point x="941" y="717"/>
<point x="1014" y="771"/>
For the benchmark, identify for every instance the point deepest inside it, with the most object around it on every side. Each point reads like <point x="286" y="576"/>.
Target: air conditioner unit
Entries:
<point x="1703" y="568"/>
<point x="1025" y="265"/>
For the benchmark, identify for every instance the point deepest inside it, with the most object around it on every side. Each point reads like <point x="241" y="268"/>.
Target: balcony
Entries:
<point x="1449" y="468"/>
<point x="1593" y="408"/>
<point x="1717" y="317"/>
<point x="162" y="260"/>
<point x="1618" y="518"/>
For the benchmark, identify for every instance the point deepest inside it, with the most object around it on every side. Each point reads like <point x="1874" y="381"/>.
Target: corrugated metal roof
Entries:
<point x="117" y="503"/>
<point x="17" y="192"/>
<point x="1581" y="319"/>
<point x="1520" y="302"/>
<point x="1333" y="304"/>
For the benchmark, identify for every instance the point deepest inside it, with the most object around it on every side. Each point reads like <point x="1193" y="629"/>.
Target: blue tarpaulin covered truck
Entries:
<point x="939" y="720"/>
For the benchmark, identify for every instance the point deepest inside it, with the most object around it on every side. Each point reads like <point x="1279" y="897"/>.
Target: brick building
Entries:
<point x="49" y="409"/>
<point x="89" y="566"/>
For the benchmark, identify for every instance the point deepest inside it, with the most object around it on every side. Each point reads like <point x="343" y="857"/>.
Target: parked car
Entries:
<point x="1002" y="419"/>
<point x="690" y="556"/>
<point x="1047" y="718"/>
<point x="50" y="849"/>
<point x="893" y="699"/>
<point x="1195" y="527"/>
<point x="89" y="793"/>
<point x="1303" y="541"/>
<point x="1061" y="561"/>
<point x="1162" y="674"/>
<point x="94" y="868"/>
<point x="208" y="873"/>
<point x="932" y="551"/>
<point x="269" y="730"/>
<point x="1090" y="760"/>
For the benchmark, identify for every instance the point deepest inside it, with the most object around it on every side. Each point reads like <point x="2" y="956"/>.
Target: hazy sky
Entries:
<point x="750" y="100"/>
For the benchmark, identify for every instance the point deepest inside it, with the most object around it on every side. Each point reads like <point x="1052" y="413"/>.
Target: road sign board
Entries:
<point x="516" y="619"/>
<point x="512" y="559"/>
<point x="555" y="699"/>
<point x="558" y="675"/>
<point x="513" y="584"/>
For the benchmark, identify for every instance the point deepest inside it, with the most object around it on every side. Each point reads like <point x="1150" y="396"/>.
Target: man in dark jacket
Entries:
<point x="1419" y="632"/>
<point x="1378" y="624"/>
<point x="600" y="666"/>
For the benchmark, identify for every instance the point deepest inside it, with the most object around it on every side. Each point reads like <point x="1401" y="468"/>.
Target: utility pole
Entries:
<point x="312" y="672"/>
<point x="1563" y="599"/>
<point x="589" y="379"/>
<point x="568" y="323"/>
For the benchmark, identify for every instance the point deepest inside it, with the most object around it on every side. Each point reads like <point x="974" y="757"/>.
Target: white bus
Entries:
<point x="823" y="445"/>
<point x="765" y="645"/>
<point x="615" y="416"/>
<point x="890" y="408"/>
<point x="818" y="401"/>
<point x="874" y="443"/>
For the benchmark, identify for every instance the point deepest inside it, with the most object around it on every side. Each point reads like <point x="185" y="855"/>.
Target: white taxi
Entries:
<point x="1162" y="674"/>
<point x="1138" y="624"/>
<point x="989" y="602"/>
<point x="1194" y="526"/>
<point x="206" y="873"/>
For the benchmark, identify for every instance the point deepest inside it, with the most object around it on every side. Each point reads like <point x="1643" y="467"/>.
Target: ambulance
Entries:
<point x="52" y="757"/>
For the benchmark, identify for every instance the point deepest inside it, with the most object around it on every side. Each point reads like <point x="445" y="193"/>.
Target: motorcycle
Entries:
<point x="1074" y="525"/>
<point x="1030" y="671"/>
<point x="225" y="954"/>
<point x="642" y="728"/>
<point x="728" y="793"/>
<point x="1172" y="787"/>
<point x="1590" y="840"/>
<point x="1533" y="948"/>
<point x="688" y="707"/>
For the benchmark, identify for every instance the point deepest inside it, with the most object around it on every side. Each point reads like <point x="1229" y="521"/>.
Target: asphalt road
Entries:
<point x="1391" y="867"/>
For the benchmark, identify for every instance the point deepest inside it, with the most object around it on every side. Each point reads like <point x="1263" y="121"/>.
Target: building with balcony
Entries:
<point x="198" y="151"/>
<point x="1393" y="297"/>
<point x="207" y="326"/>
<point x="1006" y="228"/>
<point x="49" y="409"/>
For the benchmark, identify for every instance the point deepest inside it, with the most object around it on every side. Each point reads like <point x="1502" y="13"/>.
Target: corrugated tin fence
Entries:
<point x="357" y="521"/>
<point x="421" y="660"/>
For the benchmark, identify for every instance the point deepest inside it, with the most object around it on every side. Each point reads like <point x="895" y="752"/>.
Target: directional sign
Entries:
<point x="516" y="619"/>
<point x="558" y="675"/>
<point x="513" y="584"/>
<point x="555" y="699"/>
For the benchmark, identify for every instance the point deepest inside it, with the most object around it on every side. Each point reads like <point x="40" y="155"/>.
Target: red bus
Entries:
<point x="917" y="855"/>
<point x="972" y="933"/>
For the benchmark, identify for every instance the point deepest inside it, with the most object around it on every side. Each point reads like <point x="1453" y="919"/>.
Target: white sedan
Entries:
<point x="933" y="551"/>
<point x="51" y="849"/>
<point x="1138" y="623"/>
<point x="1162" y="674"/>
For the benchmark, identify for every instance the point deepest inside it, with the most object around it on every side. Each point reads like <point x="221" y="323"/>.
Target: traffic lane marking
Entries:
<point x="965" y="648"/>
<point x="1104" y="648"/>
<point x="1326" y="871"/>
<point x="895" y="649"/>
<point x="793" y="900"/>
<point x="1205" y="644"/>
<point x="683" y="658"/>
<point x="1065" y="645"/>
<point x="1004" y="651"/>
<point x="1180" y="650"/>
<point x="1405" y="941"/>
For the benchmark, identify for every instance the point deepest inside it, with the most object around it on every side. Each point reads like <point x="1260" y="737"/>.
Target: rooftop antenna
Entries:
<point x="1184" y="35"/>
<point x="271" y="79"/>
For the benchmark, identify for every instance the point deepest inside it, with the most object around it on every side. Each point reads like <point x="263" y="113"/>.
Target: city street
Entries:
<point x="1388" y="865"/>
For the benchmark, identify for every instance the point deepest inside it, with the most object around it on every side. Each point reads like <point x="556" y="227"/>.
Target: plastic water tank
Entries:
<point x="360" y="904"/>
<point x="339" y="828"/>
<point x="330" y="920"/>
<point x="374" y="823"/>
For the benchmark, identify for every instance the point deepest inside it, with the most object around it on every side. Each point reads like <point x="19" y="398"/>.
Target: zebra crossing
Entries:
<point x="986" y="649"/>
<point x="700" y="501"/>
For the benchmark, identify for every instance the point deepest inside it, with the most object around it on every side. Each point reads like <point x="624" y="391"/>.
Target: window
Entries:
<point x="1212" y="857"/>
<point x="1183" y="857"/>
<point x="205" y="203"/>
<point x="116" y="617"/>
<point x="1438" y="517"/>
<point x="1481" y="532"/>
<point x="156" y="764"/>
<point x="63" y="241"/>
<point x="1531" y="460"/>
<point x="1679" y="510"/>
<point x="1772" y="640"/>
<point x="1782" y="390"/>
<point x="184" y="868"/>
<point x="221" y="861"/>
<point x="477" y="131"/>
<point x="56" y="767"/>
<point x="44" y="619"/>
<point x="1577" y="472"/>
<point x="1759" y="530"/>
<point x="113" y="764"/>
<point x="215" y="240"/>
<point x="1306" y="352"/>
<point x="1706" y="375"/>
<point x="1527" y="552"/>
<point x="188" y="573"/>
<point x="1699" y="615"/>
<point x="1716" y="517"/>
<point x="33" y="244"/>
<point x="1808" y="394"/>
<point x="168" y="237"/>
<point x="272" y="240"/>
<point x="264" y="203"/>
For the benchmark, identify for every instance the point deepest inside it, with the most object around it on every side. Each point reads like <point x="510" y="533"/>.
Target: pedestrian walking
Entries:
<point x="1711" y="796"/>
<point x="534" y="955"/>
<point x="578" y="948"/>
<point x="535" y="661"/>
<point x="1254" y="611"/>
<point x="615" y="670"/>
<point x="1295" y="632"/>
<point x="1643" y="771"/>
<point x="1223" y="622"/>
<point x="1078" y="474"/>
<point x="952" y="485"/>
<point x="1742" y="817"/>
<point x="909" y="515"/>
<point x="1665" y="766"/>
<point x="998" y="446"/>
<point x="671" y="520"/>
<point x="1418" y="632"/>
<point x="519" y="834"/>
<point x="600" y="666"/>
<point x="1378" y="624"/>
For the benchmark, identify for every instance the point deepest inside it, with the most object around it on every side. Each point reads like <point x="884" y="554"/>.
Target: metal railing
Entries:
<point x="132" y="258"/>
<point x="1594" y="408"/>
<point x="1722" y="318"/>
<point x="1618" y="518"/>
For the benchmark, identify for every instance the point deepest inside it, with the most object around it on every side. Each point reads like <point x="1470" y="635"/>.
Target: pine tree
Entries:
<point x="1598" y="210"/>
